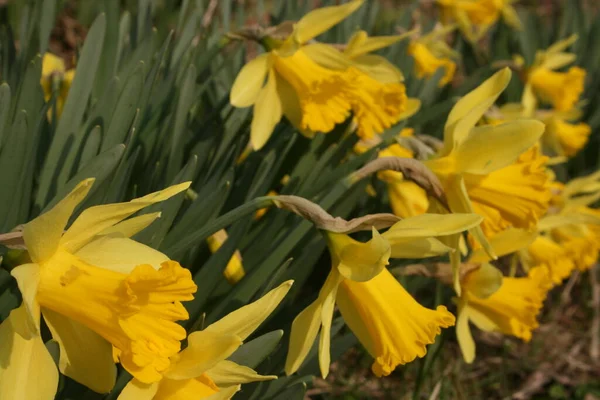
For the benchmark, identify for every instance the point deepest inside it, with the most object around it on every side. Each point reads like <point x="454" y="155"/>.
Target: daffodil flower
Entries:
<point x="364" y="290"/>
<point x="474" y="164"/>
<point x="201" y="370"/>
<point x="475" y="17"/>
<point x="56" y="77"/>
<point x="309" y="95"/>
<point x="234" y="271"/>
<point x="495" y="303"/>
<point x="101" y="294"/>
<point x="315" y="98"/>
<point x="431" y="53"/>
<point x="560" y="89"/>
<point x="512" y="309"/>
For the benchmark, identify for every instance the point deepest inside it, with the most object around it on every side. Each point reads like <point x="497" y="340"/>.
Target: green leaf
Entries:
<point x="56" y="169"/>
<point x="100" y="167"/>
<point x="125" y="110"/>
<point x="5" y="98"/>
<point x="255" y="351"/>
<point x="47" y="19"/>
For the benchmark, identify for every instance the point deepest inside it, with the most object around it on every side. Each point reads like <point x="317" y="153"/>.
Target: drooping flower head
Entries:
<point x="101" y="293"/>
<point x="543" y="83"/>
<point x="431" y="53"/>
<point x="56" y="78"/>
<point x="511" y="308"/>
<point x="201" y="370"/>
<point x="358" y="276"/>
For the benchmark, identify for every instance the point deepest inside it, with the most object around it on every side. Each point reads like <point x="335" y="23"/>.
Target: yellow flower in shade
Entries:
<point x="431" y="52"/>
<point x="486" y="165"/>
<point x="580" y="243"/>
<point x="475" y="17"/>
<point x="201" y="370"/>
<point x="560" y="89"/>
<point x="234" y="271"/>
<point x="511" y="309"/>
<point x="388" y="321"/>
<point x="427" y="63"/>
<point x="544" y="83"/>
<point x="100" y="292"/>
<point x="362" y="262"/>
<point x="56" y="77"/>
<point x="566" y="139"/>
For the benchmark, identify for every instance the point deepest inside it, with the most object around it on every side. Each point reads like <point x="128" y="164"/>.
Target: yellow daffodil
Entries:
<point x="56" y="77"/>
<point x="201" y="370"/>
<point x="431" y="53"/>
<point x="512" y="309"/>
<point x="234" y="271"/>
<point x="490" y="169"/>
<point x="559" y="89"/>
<point x="475" y="17"/>
<point x="101" y="294"/>
<point x="405" y="327"/>
<point x="312" y="97"/>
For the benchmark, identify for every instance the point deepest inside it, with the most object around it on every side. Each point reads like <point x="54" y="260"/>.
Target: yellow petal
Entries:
<point x="562" y="45"/>
<point x="463" y="334"/>
<point x="489" y="148"/>
<point x="413" y="106"/>
<point x="290" y="105"/>
<point x="327" y="56"/>
<point x="227" y="373"/>
<point x="267" y="113"/>
<point x="459" y="202"/>
<point x="558" y="60"/>
<point x="484" y="281"/>
<point x="85" y="356"/>
<point x="28" y="279"/>
<point x="469" y="109"/>
<point x="510" y="16"/>
<point x="42" y="235"/>
<point x="204" y="351"/>
<point x="243" y="321"/>
<point x="27" y="370"/>
<point x="326" y="318"/>
<point x="136" y="390"/>
<point x="52" y="64"/>
<point x="249" y="81"/>
<point x="318" y="21"/>
<point x="131" y="226"/>
<point x="96" y="219"/>
<point x="224" y="394"/>
<point x="361" y="44"/>
<point x="529" y="101"/>
<point x="120" y="254"/>
<point x="363" y="261"/>
<point x="425" y="225"/>
<point x="302" y="336"/>
<point x="418" y="248"/>
<point x="378" y="68"/>
<point x="505" y="242"/>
